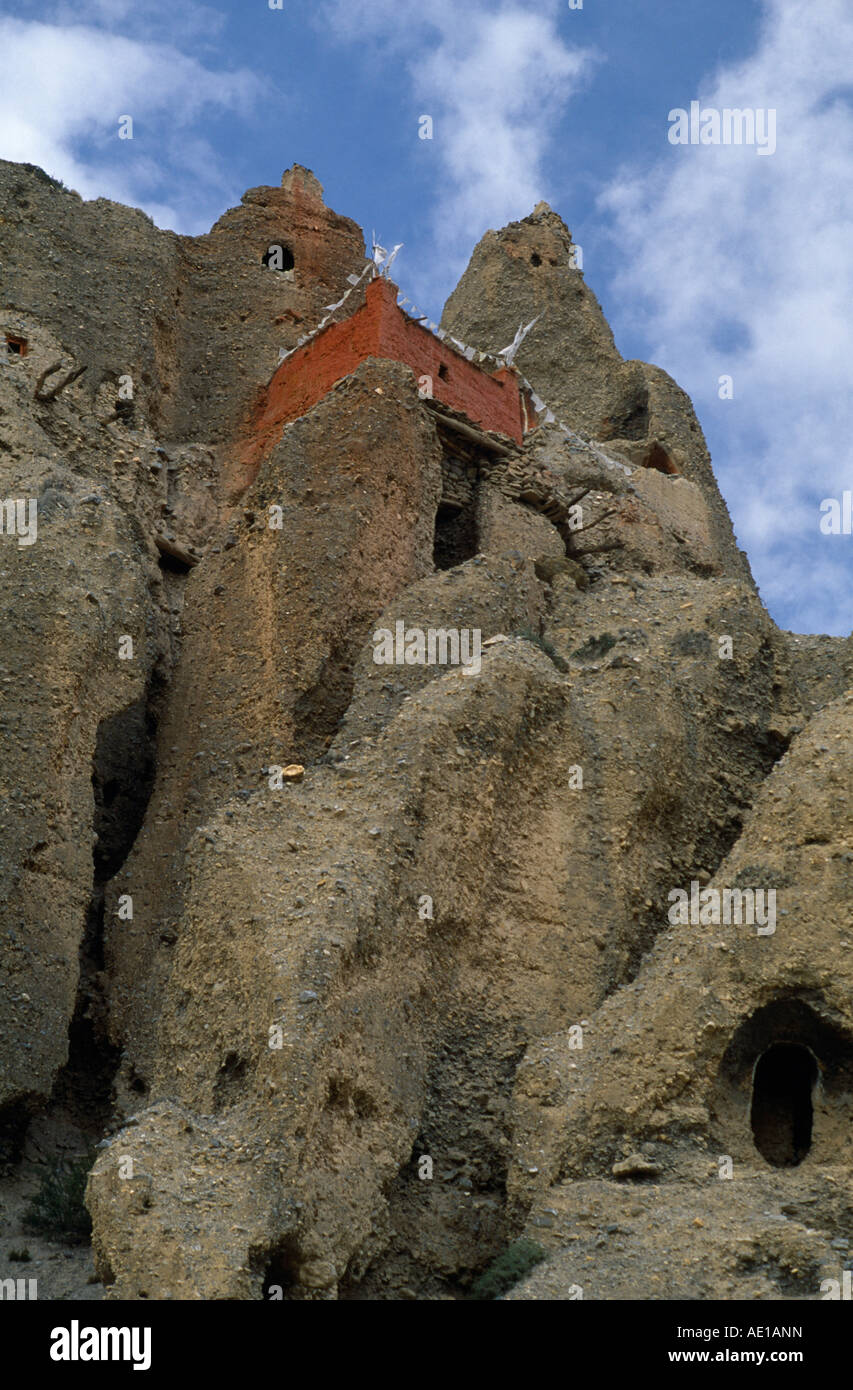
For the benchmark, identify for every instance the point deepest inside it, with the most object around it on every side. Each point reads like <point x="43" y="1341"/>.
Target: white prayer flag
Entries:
<point x="508" y="353"/>
<point x="382" y="259"/>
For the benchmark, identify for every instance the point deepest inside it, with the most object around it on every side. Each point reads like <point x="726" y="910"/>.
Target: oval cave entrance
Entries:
<point x="781" y="1115"/>
<point x="278" y="257"/>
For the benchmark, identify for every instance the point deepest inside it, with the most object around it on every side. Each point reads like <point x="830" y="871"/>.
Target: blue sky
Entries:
<point x="708" y="260"/>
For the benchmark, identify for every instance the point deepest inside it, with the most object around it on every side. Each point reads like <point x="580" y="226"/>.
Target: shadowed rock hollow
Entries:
<point x="450" y="937"/>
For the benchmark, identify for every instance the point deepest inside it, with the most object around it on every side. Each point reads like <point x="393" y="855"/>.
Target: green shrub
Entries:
<point x="512" y="1265"/>
<point x="19" y="1257"/>
<point x="58" y="1210"/>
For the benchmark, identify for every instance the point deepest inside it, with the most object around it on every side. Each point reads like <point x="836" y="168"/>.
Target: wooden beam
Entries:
<point x="468" y="432"/>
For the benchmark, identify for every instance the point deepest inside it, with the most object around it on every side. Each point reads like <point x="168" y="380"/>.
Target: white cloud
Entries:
<point x="716" y="239"/>
<point x="496" y="79"/>
<point x="65" y="88"/>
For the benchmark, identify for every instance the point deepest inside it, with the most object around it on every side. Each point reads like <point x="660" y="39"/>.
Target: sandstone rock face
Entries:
<point x="571" y="359"/>
<point x="715" y="997"/>
<point x="174" y="336"/>
<point x="371" y="957"/>
<point x="197" y="322"/>
<point x="275" y="621"/>
<point x="73" y="710"/>
<point x="526" y="269"/>
<point x="710" y="992"/>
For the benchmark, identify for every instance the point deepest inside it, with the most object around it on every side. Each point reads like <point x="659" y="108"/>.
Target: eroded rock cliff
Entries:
<point x="446" y="934"/>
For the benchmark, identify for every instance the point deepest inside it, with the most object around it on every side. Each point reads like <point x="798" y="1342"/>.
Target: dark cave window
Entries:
<point x="172" y="564"/>
<point x="278" y="257"/>
<point x="535" y="259"/>
<point x="110" y="791"/>
<point x="455" y="536"/>
<point x="122" y="780"/>
<point x="781" y="1115"/>
<point x="658" y="458"/>
<point x="281" y="1272"/>
<point x="15" y="346"/>
<point x="231" y="1082"/>
<point x="443" y="372"/>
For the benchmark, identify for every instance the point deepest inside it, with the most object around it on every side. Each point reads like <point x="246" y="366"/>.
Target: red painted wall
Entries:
<point x="380" y="329"/>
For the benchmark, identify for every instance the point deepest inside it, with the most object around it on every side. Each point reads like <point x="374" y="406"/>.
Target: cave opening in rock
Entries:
<point x="320" y="710"/>
<point x="122" y="779"/>
<point x="14" y="1121"/>
<point x="231" y="1084"/>
<point x="123" y="769"/>
<point x="781" y="1114"/>
<point x="173" y="564"/>
<point x="279" y="1270"/>
<point x="277" y="256"/>
<point x="455" y="538"/>
<point x="784" y="1088"/>
<point x="658" y="458"/>
<point x="15" y="346"/>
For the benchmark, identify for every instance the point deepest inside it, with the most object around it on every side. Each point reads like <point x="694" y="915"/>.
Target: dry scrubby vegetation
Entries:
<point x="58" y="1209"/>
<point x="512" y="1265"/>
